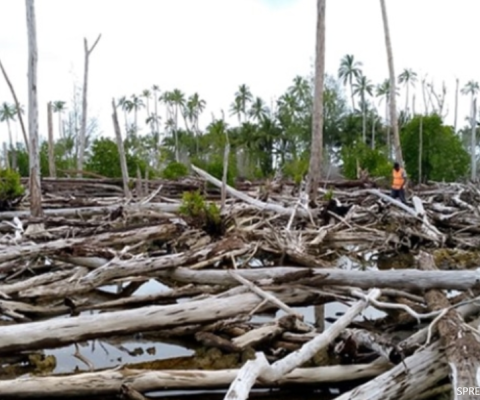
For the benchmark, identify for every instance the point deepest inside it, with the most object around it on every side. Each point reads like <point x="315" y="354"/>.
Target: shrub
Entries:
<point x="206" y="215"/>
<point x="374" y="161"/>
<point x="11" y="189"/>
<point x="175" y="170"/>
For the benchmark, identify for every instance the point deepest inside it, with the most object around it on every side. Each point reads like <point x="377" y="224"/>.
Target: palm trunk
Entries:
<point x="83" y="127"/>
<point x="51" y="143"/>
<point x="34" y="153"/>
<point x="407" y="98"/>
<point x="364" y="120"/>
<point x="12" y="146"/>
<point x="316" y="152"/>
<point x="393" y="103"/>
<point x="473" y="143"/>
<point x="456" y="104"/>
<point x="413" y="104"/>
<point x="121" y="151"/>
<point x="157" y="129"/>
<point x="352" y="95"/>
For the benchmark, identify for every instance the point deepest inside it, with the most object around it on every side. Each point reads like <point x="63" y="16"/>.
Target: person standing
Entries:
<point x="398" y="183"/>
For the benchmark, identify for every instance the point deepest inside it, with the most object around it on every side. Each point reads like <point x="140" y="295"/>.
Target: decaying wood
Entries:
<point x="110" y="381"/>
<point x="462" y="343"/>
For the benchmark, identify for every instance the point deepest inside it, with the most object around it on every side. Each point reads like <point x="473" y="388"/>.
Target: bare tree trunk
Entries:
<point x="51" y="143"/>
<point x="456" y="104"/>
<point x="420" y="150"/>
<point x="83" y="128"/>
<point x="17" y="105"/>
<point x="316" y="152"/>
<point x="393" y="102"/>
<point x="34" y="154"/>
<point x="6" y="156"/>
<point x="413" y="104"/>
<point x="12" y="146"/>
<point x="121" y="151"/>
<point x="473" y="143"/>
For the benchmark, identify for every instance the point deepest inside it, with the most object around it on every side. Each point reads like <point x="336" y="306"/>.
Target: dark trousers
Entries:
<point x="399" y="194"/>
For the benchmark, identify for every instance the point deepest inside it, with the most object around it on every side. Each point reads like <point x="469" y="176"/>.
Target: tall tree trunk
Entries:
<point x="425" y="100"/>
<point x="364" y="120"/>
<point x="473" y="143"/>
<point x="51" y="143"/>
<point x="456" y="104"/>
<point x="17" y="105"/>
<point x="352" y="95"/>
<point x="420" y="150"/>
<point x="157" y="129"/>
<point x="121" y="150"/>
<point x="6" y="156"/>
<point x="407" y="98"/>
<point x="12" y="146"/>
<point x="83" y="127"/>
<point x="316" y="152"/>
<point x="393" y="100"/>
<point x="413" y="104"/>
<point x="34" y="154"/>
<point x="60" y="127"/>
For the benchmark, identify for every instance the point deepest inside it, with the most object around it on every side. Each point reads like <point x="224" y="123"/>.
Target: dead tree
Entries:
<point x="121" y="150"/>
<point x="51" y="144"/>
<point x="17" y="105"/>
<point x="34" y="154"/>
<point x="316" y="151"/>
<point x="83" y="127"/>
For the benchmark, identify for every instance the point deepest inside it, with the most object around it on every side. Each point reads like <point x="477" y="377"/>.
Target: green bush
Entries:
<point x="374" y="161"/>
<point x="296" y="169"/>
<point x="206" y="215"/>
<point x="11" y="189"/>
<point x="175" y="170"/>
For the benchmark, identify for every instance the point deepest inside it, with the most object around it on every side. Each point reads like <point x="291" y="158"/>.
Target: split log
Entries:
<point x="461" y="342"/>
<point x="110" y="381"/>
<point x="53" y="333"/>
<point x="423" y="370"/>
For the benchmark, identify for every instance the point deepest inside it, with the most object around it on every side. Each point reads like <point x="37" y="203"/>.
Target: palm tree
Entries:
<point x="316" y="151"/>
<point x="350" y="69"/>
<point x="7" y="114"/>
<point x="59" y="107"/>
<point x="363" y="86"/>
<point x="123" y="102"/>
<point x="408" y="78"/>
<point x="384" y="93"/>
<point x="242" y="97"/>
<point x="147" y="95"/>
<point x="258" y="110"/>
<point x="156" y="93"/>
<point x="393" y="100"/>
<point x="135" y="104"/>
<point x="472" y="88"/>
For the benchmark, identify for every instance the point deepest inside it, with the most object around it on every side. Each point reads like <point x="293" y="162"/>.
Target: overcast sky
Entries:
<point x="213" y="46"/>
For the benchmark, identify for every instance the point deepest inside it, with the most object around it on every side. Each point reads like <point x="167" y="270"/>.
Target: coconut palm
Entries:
<point x="349" y="70"/>
<point x="59" y="107"/>
<point x="363" y="87"/>
<point x="408" y="78"/>
<point x="259" y="110"/>
<point x="7" y="114"/>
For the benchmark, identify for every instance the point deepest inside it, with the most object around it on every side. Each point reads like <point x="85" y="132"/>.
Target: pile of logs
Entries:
<point x="278" y="252"/>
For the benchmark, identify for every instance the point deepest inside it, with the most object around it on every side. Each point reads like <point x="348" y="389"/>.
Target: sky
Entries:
<point x="213" y="46"/>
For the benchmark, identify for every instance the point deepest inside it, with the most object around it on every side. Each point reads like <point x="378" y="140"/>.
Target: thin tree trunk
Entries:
<point x="60" y="125"/>
<point x="425" y="101"/>
<point x="157" y="129"/>
<point x="6" y="156"/>
<point x="12" y="146"/>
<point x="34" y="154"/>
<point x="351" y="93"/>
<point x="456" y="104"/>
<point x="407" y="94"/>
<point x="121" y="151"/>
<point x="17" y="105"/>
<point x="83" y="127"/>
<point x="393" y="102"/>
<point x="473" y="143"/>
<point x="316" y="152"/>
<point x="364" y="120"/>
<point x="51" y="143"/>
<point x="413" y="104"/>
<point x="420" y="151"/>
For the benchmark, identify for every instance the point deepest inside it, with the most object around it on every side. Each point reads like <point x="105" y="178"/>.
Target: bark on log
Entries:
<point x="57" y="332"/>
<point x="110" y="381"/>
<point x="462" y="347"/>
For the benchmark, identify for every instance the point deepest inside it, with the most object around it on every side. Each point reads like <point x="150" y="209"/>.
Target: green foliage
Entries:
<point x="11" y="188"/>
<point x="207" y="215"/>
<point x="296" y="169"/>
<point x="374" y="161"/>
<point x="328" y="195"/>
<point x="443" y="156"/>
<point x="174" y="170"/>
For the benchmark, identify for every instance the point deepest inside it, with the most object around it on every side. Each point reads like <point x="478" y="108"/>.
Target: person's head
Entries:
<point x="396" y="166"/>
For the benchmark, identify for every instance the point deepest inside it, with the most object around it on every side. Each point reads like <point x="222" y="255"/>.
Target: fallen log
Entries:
<point x="462" y="346"/>
<point x="109" y="382"/>
<point x="90" y="211"/>
<point x="53" y="333"/>
<point x="407" y="279"/>
<point x="161" y="232"/>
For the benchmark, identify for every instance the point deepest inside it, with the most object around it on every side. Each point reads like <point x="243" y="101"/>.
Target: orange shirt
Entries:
<point x="398" y="179"/>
